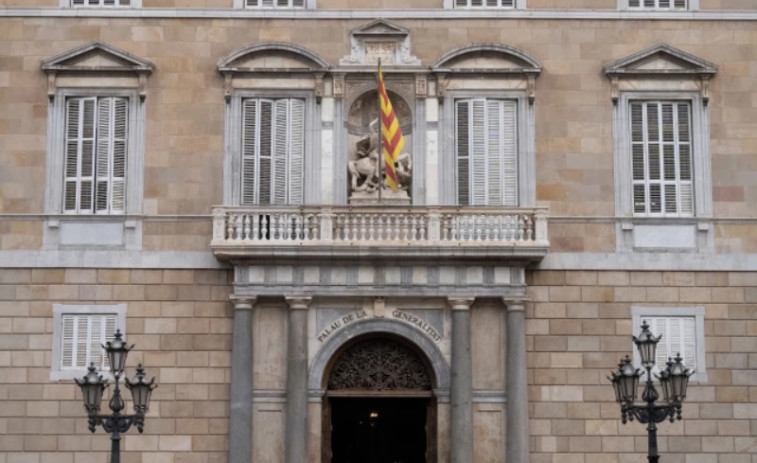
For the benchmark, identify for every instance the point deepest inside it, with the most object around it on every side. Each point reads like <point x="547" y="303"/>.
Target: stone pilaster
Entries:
<point x="461" y="383"/>
<point x="516" y="383"/>
<point x="240" y="413"/>
<point x="297" y="378"/>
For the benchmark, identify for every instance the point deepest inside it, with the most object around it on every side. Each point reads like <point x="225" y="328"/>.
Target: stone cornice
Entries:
<point x="221" y="13"/>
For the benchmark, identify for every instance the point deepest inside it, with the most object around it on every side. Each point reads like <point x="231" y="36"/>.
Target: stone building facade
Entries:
<point x="198" y="175"/>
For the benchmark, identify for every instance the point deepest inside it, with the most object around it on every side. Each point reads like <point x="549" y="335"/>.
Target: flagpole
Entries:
<point x="381" y="159"/>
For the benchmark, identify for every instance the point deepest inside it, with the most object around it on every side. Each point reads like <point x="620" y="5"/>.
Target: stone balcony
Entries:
<point x="419" y="232"/>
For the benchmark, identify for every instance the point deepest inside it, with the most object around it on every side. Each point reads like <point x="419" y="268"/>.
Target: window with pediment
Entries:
<point x="662" y="157"/>
<point x="488" y="149"/>
<point x="95" y="146"/>
<point x="272" y="90"/>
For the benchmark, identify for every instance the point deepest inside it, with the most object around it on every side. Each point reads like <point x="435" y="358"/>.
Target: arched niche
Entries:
<point x="361" y="132"/>
<point x="377" y="328"/>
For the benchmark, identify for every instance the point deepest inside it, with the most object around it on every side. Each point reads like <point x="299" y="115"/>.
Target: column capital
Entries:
<point x="298" y="302"/>
<point x="460" y="303"/>
<point x="515" y="304"/>
<point x="242" y="302"/>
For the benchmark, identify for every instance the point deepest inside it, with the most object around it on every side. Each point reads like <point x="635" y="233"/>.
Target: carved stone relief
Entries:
<point x="383" y="40"/>
<point x="379" y="365"/>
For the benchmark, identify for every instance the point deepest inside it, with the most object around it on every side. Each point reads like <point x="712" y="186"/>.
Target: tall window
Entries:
<point x="484" y="3"/>
<point x="658" y="4"/>
<point x="275" y="3"/>
<point x="487" y="152"/>
<point x="273" y="143"/>
<point x="662" y="156"/>
<point x="95" y="155"/>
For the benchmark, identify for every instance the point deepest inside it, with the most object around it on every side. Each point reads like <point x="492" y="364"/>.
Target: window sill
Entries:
<point x="92" y="231"/>
<point x="679" y="234"/>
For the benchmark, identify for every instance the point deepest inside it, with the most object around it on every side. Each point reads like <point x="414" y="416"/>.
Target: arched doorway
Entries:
<point x="379" y="406"/>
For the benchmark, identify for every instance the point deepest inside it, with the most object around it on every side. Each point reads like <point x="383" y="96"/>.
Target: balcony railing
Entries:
<point x="348" y="227"/>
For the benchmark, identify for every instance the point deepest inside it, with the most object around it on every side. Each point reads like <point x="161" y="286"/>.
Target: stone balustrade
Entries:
<point x="250" y="227"/>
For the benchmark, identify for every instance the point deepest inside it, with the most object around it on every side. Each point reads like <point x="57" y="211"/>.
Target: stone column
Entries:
<point x="240" y="413"/>
<point x="516" y="383"/>
<point x="461" y="384"/>
<point x="296" y="443"/>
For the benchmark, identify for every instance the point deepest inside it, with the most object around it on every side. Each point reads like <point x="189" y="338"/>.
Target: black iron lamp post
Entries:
<point x="92" y="386"/>
<point x="674" y="380"/>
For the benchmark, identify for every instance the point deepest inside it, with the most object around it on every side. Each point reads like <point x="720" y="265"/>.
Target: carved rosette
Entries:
<point x="379" y="365"/>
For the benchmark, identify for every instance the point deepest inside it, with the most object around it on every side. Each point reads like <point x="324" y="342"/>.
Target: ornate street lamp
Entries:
<point x="92" y="386"/>
<point x="674" y="380"/>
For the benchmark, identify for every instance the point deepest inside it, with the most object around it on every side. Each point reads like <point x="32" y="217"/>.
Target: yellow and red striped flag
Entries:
<point x="393" y="141"/>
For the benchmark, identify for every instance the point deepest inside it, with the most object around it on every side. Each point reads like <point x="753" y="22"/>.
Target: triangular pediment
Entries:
<point x="661" y="60"/>
<point x="97" y="56"/>
<point x="380" y="27"/>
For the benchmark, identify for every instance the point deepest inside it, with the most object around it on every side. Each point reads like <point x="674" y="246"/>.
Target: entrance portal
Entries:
<point x="379" y="406"/>
<point x="378" y="430"/>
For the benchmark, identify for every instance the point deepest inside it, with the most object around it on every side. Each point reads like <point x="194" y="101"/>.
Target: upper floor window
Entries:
<point x="661" y="147"/>
<point x="124" y="3"/>
<point x="96" y="139"/>
<point x="659" y="4"/>
<point x="486" y="127"/>
<point x="485" y="3"/>
<point x="486" y="152"/>
<point x="273" y="145"/>
<point x="275" y="3"/>
<point x="95" y="147"/>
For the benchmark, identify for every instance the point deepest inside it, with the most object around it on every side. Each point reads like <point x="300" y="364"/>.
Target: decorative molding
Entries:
<point x="368" y="13"/>
<point x="439" y="366"/>
<point x="94" y="59"/>
<point x="380" y="39"/>
<point x="204" y="260"/>
<point x="231" y="62"/>
<point x="461" y="63"/>
<point x="379" y="365"/>
<point x="242" y="302"/>
<point x="661" y="60"/>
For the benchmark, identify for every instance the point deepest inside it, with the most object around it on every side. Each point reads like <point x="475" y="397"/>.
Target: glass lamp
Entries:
<point x="664" y="378"/>
<point x="646" y="342"/>
<point x="679" y="379"/>
<point x="92" y="386"/>
<point x="141" y="390"/>
<point x="625" y="381"/>
<point x="117" y="350"/>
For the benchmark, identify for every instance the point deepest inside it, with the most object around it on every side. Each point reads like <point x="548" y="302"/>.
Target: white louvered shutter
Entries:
<point x="265" y="148"/>
<point x="661" y="158"/>
<point x="494" y="152"/>
<point x="273" y="151"/>
<point x="478" y="161"/>
<point x="280" y="151"/>
<point x="296" y="151"/>
<point x="509" y="153"/>
<point x="82" y="338"/>
<point x="95" y="157"/>
<point x="250" y="136"/>
<point x="487" y="152"/>
<point x="678" y="336"/>
<point x="462" y="113"/>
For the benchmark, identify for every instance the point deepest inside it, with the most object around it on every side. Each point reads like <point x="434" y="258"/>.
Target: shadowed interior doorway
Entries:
<point x="378" y="430"/>
<point x="379" y="406"/>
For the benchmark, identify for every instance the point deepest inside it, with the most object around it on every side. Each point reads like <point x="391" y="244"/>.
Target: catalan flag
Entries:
<point x="393" y="142"/>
